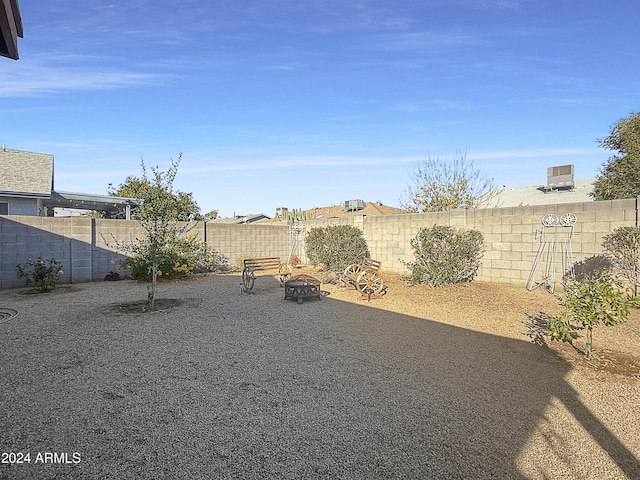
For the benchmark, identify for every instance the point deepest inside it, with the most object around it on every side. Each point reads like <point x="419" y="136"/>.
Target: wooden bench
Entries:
<point x="253" y="265"/>
<point x="364" y="277"/>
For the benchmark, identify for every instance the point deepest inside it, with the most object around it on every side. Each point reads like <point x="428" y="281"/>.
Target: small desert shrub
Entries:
<point x="178" y="257"/>
<point x="445" y="255"/>
<point x="336" y="247"/>
<point x="622" y="248"/>
<point x="42" y="275"/>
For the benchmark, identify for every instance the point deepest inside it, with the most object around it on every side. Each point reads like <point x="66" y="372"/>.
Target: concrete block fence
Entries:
<point x="509" y="234"/>
<point x="87" y="249"/>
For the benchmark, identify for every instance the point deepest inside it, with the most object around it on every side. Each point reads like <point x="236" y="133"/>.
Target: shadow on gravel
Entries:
<point x="255" y="386"/>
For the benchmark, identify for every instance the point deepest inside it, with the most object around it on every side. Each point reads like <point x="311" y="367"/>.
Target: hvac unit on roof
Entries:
<point x="353" y="205"/>
<point x="560" y="178"/>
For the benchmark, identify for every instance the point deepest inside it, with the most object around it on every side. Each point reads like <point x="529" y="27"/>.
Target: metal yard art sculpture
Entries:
<point x="553" y="244"/>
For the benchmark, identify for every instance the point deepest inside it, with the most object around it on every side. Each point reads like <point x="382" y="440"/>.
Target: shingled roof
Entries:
<point x="25" y="174"/>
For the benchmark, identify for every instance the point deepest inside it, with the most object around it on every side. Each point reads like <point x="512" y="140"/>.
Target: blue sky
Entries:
<point x="301" y="104"/>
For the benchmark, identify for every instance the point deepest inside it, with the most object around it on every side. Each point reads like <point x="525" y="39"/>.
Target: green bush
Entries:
<point x="622" y="248"/>
<point x="178" y="257"/>
<point x="336" y="247"/>
<point x="42" y="275"/>
<point x="445" y="255"/>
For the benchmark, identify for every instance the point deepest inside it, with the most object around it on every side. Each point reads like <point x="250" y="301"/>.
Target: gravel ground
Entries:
<point x="418" y="384"/>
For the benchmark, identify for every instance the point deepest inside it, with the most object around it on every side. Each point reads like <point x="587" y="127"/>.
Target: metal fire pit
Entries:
<point x="301" y="287"/>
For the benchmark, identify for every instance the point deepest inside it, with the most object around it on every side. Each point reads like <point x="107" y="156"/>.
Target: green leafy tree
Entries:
<point x="212" y="215"/>
<point x="620" y="175"/>
<point x="184" y="207"/>
<point x="438" y="185"/>
<point x="159" y="216"/>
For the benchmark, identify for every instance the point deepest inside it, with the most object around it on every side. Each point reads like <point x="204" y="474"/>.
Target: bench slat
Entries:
<point x="262" y="263"/>
<point x="371" y="263"/>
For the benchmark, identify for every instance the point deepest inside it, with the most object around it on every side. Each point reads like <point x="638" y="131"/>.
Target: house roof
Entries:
<point x="240" y="219"/>
<point x="536" y="195"/>
<point x="370" y="208"/>
<point x="25" y="174"/>
<point x="10" y="28"/>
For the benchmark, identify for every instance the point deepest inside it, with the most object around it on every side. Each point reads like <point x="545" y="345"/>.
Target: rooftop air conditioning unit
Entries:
<point x="560" y="178"/>
<point x="354" y="205"/>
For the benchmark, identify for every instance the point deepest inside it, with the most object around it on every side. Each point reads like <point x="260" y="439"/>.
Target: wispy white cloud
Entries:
<point x="429" y="41"/>
<point x="36" y="76"/>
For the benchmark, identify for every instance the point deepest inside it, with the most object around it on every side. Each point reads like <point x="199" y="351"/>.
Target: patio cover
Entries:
<point x="10" y="28"/>
<point x="86" y="201"/>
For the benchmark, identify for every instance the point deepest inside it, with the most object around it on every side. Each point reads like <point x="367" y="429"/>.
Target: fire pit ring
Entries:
<point x="6" y="314"/>
<point x="301" y="287"/>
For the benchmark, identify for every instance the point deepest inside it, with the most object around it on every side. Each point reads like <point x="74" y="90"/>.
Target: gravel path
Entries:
<point x="252" y="386"/>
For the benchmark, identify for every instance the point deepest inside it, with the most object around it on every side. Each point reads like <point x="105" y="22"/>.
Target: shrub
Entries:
<point x="42" y="275"/>
<point x="445" y="255"/>
<point x="590" y="302"/>
<point x="336" y="247"/>
<point x="622" y="248"/>
<point x="178" y="257"/>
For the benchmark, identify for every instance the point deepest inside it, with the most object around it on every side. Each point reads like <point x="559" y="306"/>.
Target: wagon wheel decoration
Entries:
<point x="351" y="273"/>
<point x="369" y="282"/>
<point x="248" y="279"/>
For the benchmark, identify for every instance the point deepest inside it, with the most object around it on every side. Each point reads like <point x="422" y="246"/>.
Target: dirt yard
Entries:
<point x="500" y="310"/>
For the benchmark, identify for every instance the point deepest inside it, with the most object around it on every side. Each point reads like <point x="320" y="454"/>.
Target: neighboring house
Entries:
<point x="541" y="195"/>
<point x="351" y="208"/>
<point x="26" y="188"/>
<point x="26" y="180"/>
<point x="240" y="218"/>
<point x="10" y="28"/>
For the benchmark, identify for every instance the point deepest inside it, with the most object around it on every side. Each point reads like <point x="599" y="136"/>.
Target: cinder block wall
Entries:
<point x="509" y="233"/>
<point x="88" y="248"/>
<point x="235" y="242"/>
<point x="68" y="240"/>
